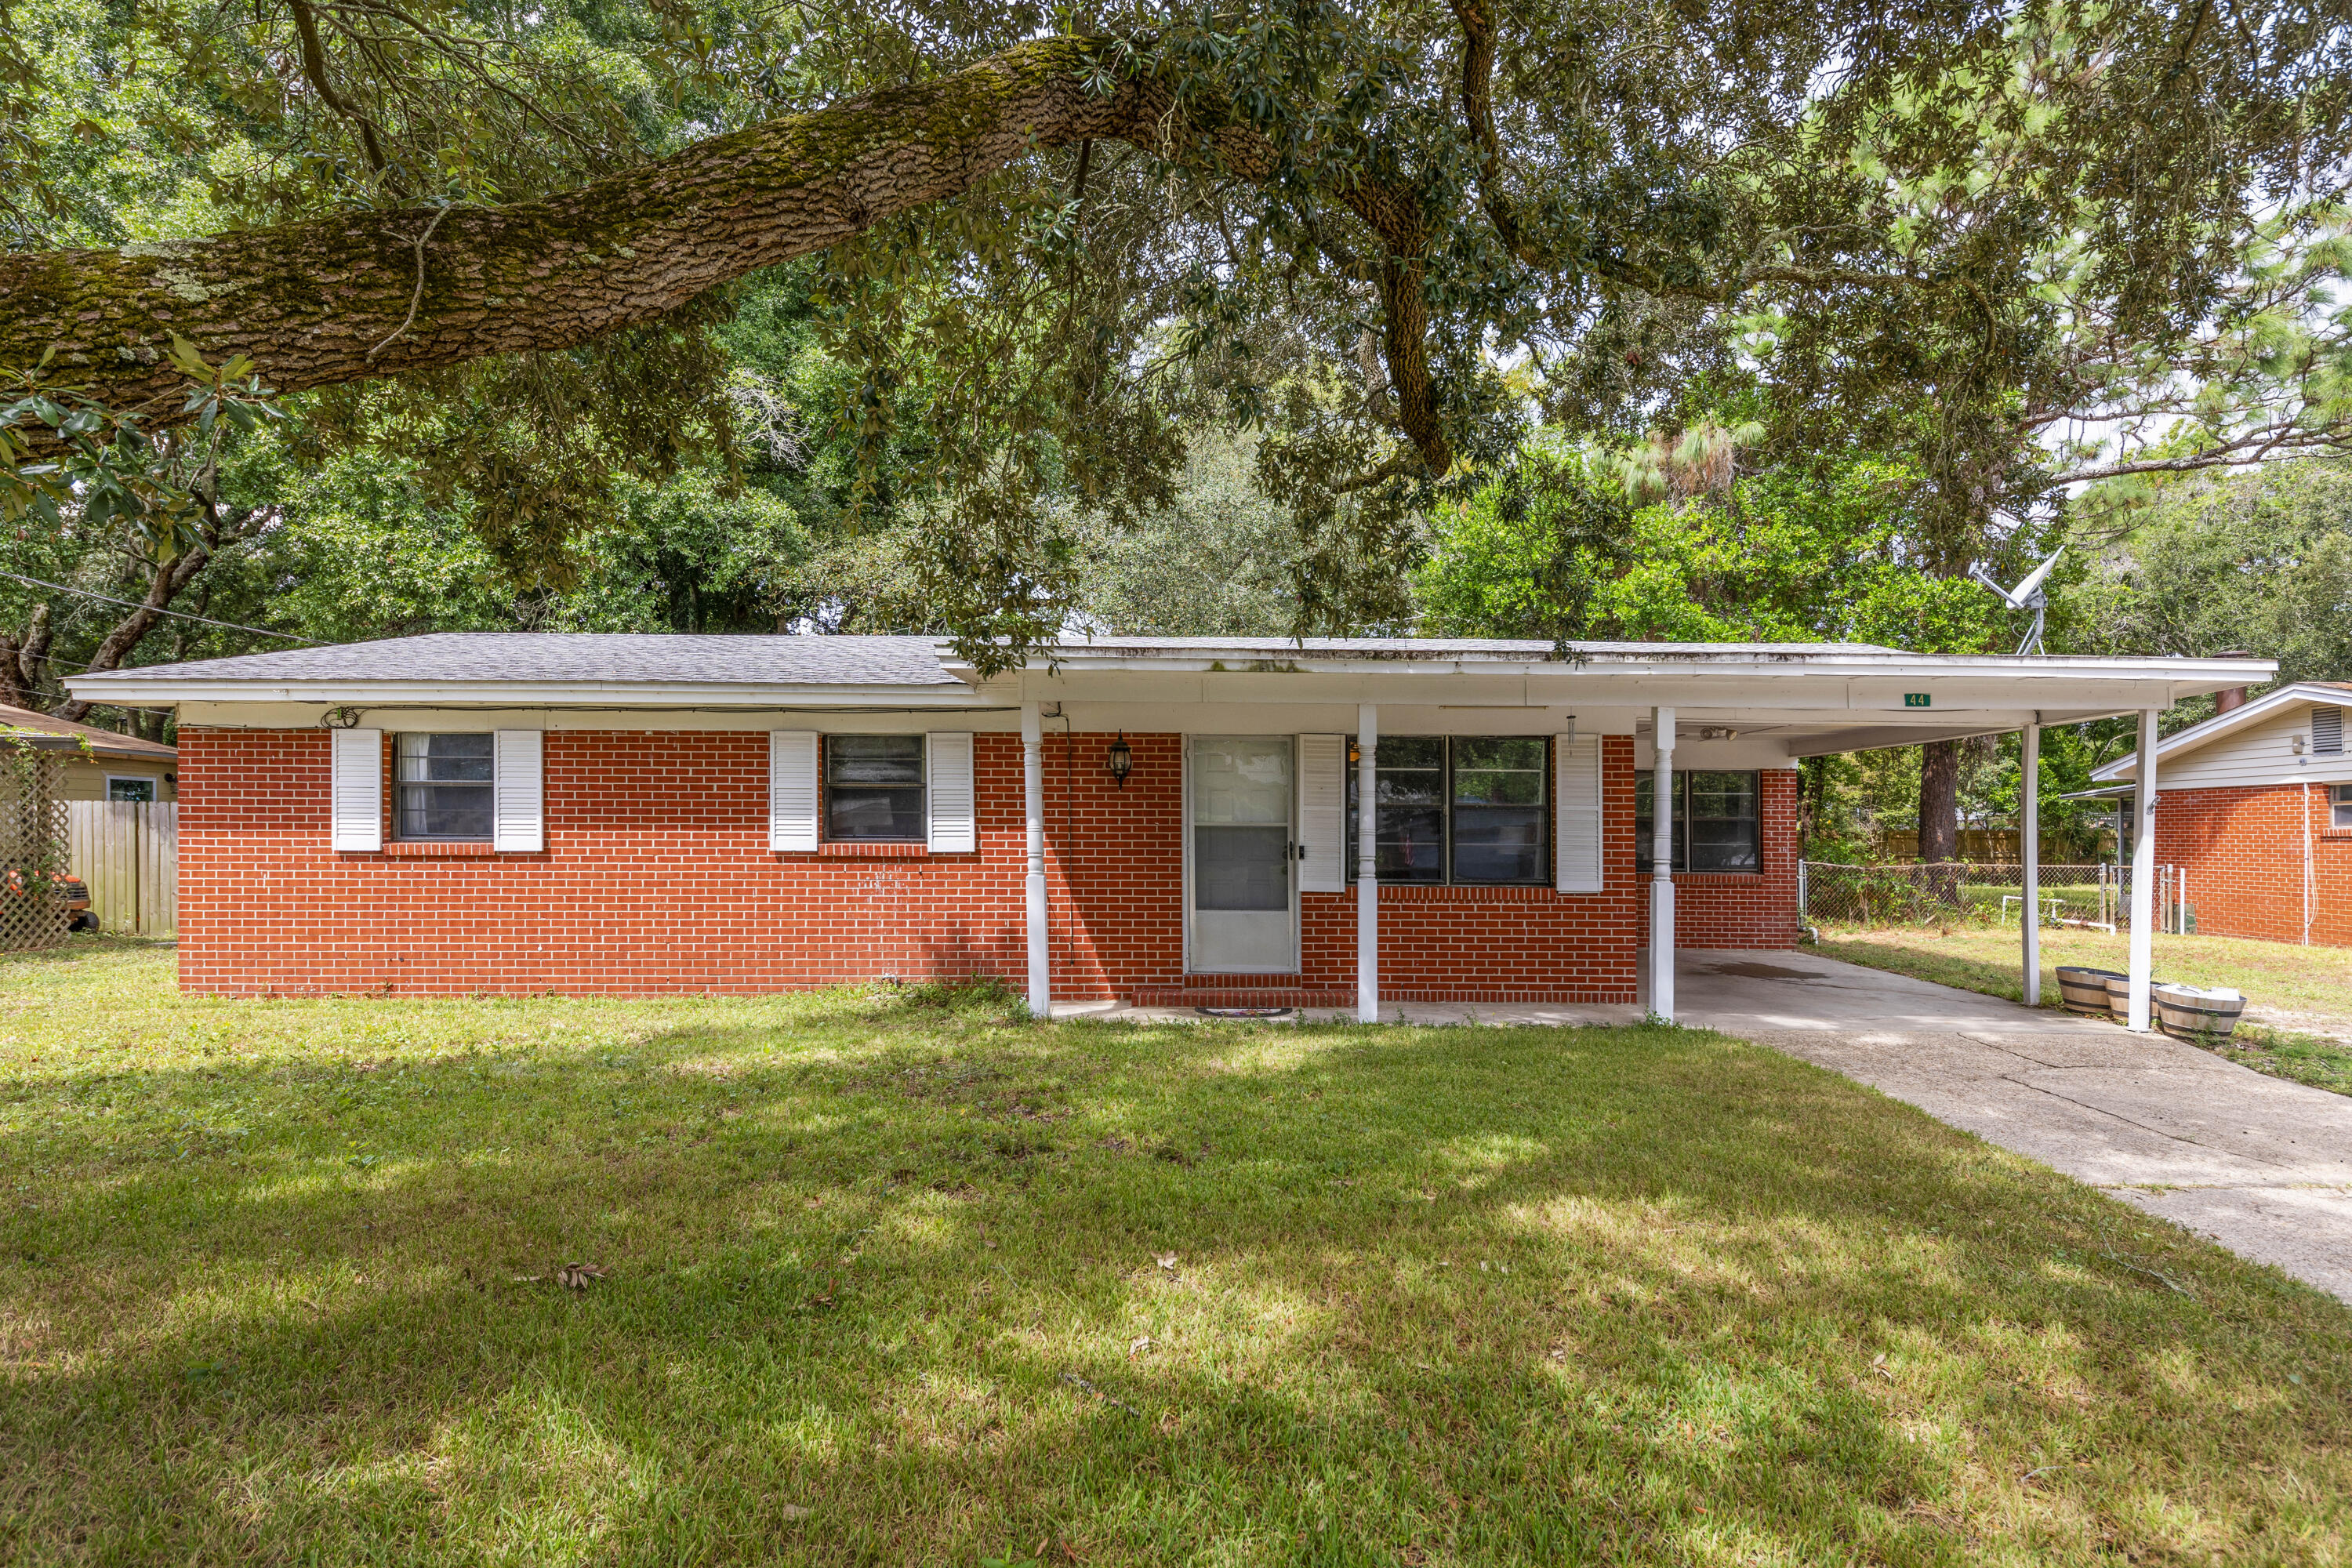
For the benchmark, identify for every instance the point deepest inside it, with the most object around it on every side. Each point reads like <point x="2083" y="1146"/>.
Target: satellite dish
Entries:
<point x="2026" y="595"/>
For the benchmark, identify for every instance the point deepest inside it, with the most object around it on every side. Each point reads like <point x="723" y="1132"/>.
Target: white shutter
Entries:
<point x="519" y="819"/>
<point x="1323" y="814"/>
<point x="355" y="789"/>
<point x="1576" y="845"/>
<point x="791" y="790"/>
<point x="2326" y="731"/>
<point x="948" y="795"/>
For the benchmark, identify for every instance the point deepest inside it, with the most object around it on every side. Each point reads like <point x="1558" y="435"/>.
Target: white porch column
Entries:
<point x="2143" y="879"/>
<point x="1033" y="790"/>
<point x="1661" y="867"/>
<point x="1368" y="877"/>
<point x="2029" y="850"/>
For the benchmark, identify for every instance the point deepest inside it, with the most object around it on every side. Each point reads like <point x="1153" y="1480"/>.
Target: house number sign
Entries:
<point x="1915" y="699"/>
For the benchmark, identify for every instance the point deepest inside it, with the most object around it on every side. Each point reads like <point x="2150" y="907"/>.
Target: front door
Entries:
<point x="1244" y="917"/>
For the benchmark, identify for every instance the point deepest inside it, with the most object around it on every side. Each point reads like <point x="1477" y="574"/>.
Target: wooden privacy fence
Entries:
<point x="129" y="853"/>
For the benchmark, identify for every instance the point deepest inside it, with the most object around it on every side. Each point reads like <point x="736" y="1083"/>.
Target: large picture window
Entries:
<point x="1717" y="821"/>
<point x="443" y="785"/>
<point x="874" y="788"/>
<point x="1467" y="809"/>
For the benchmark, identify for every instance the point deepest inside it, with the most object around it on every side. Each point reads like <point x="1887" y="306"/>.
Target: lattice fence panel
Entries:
<point x="33" y="912"/>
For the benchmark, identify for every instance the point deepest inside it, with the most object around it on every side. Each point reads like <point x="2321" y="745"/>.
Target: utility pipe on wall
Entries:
<point x="1661" y="867"/>
<point x="2143" y="879"/>
<point x="1032" y="789"/>
<point x="1367" y="877"/>
<point x="2029" y="764"/>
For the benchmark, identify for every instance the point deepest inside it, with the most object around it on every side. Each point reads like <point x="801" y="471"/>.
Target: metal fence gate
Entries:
<point x="129" y="853"/>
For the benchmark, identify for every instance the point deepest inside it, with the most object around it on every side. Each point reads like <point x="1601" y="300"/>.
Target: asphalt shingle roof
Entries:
<point x="760" y="659"/>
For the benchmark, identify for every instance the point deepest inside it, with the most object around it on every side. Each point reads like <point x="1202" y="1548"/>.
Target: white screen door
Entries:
<point x="1244" y="910"/>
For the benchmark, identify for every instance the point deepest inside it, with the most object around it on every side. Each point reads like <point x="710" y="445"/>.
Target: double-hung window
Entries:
<point x="1717" y="821"/>
<point x="2340" y="806"/>
<point x="874" y="788"/>
<point x="445" y="786"/>
<point x="1462" y="809"/>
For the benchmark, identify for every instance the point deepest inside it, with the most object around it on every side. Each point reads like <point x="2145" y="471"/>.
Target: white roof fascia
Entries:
<point x="533" y="694"/>
<point x="2213" y="673"/>
<point x="2222" y="725"/>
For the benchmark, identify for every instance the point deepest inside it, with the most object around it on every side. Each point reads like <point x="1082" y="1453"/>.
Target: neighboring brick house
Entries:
<point x="1146" y="820"/>
<point x="2254" y="808"/>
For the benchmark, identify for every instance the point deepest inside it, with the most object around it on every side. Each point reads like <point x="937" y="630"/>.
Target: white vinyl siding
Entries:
<point x="1577" y="840"/>
<point x="955" y="828"/>
<point x="356" y="791"/>
<point x="1323" y="814"/>
<point x="518" y="817"/>
<point x="791" y="790"/>
<point x="2261" y="753"/>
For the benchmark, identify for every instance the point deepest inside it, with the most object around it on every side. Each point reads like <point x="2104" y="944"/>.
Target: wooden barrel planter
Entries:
<point x="2205" y="1015"/>
<point x="2119" y="995"/>
<point x="2082" y="990"/>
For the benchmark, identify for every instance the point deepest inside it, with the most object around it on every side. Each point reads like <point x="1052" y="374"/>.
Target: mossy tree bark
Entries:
<point x="338" y="299"/>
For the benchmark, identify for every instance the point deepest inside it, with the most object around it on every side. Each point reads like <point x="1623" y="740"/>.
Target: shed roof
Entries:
<point x="49" y="734"/>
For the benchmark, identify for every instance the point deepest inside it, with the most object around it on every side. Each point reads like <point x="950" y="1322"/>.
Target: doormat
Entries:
<point x="1245" y="1012"/>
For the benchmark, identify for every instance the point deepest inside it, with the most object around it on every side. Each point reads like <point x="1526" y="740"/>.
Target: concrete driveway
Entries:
<point x="2261" y="1165"/>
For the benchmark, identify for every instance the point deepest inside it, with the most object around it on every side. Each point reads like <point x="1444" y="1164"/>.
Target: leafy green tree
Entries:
<point x="2260" y="561"/>
<point x="1558" y="549"/>
<point x="1940" y="231"/>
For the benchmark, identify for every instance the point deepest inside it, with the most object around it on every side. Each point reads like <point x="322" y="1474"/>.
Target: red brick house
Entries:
<point x="1148" y="820"/>
<point x="2254" y="807"/>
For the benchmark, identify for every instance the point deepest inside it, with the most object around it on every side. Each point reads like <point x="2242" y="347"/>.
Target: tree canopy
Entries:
<point x="1387" y="238"/>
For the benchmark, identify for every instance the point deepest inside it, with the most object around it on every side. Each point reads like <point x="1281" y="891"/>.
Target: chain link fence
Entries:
<point x="1954" y="892"/>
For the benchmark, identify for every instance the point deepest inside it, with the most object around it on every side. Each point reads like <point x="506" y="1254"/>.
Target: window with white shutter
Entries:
<point x="356" y="789"/>
<point x="1576" y="841"/>
<point x="519" y="816"/>
<point x="1322" y="814"/>
<point x="954" y="826"/>
<point x="791" y="790"/>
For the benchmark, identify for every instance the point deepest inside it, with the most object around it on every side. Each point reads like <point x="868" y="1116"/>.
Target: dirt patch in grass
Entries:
<point x="864" y="1277"/>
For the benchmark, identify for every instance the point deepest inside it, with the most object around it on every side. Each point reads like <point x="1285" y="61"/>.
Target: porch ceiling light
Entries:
<point x="1122" y="760"/>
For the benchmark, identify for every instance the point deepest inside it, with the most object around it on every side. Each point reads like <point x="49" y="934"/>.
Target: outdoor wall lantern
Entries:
<point x="1122" y="760"/>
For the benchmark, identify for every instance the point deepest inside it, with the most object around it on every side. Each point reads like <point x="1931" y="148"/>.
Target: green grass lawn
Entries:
<point x="2307" y="991"/>
<point x="895" y="1279"/>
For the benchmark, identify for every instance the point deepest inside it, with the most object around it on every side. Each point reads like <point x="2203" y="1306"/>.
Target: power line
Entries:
<point x="136" y="605"/>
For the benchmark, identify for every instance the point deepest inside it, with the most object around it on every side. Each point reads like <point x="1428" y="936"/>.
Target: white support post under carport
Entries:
<point x="2029" y="847"/>
<point x="1661" y="867"/>
<point x="2143" y="879"/>
<point x="1033" y="790"/>
<point x="1368" y="876"/>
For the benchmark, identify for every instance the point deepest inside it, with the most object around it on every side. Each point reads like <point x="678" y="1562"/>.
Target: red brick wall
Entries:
<point x="1748" y="909"/>
<point x="657" y="877"/>
<point x="2242" y="851"/>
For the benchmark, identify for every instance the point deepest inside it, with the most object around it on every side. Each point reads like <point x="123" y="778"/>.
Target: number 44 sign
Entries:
<point x="1915" y="700"/>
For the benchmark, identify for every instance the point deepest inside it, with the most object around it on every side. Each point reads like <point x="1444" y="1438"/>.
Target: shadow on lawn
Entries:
<point x="1273" y="1295"/>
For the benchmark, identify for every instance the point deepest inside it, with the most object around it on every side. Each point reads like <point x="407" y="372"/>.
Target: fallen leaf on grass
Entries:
<point x="795" y="1510"/>
<point x="1141" y="1343"/>
<point x="1168" y="1261"/>
<point x="575" y="1276"/>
